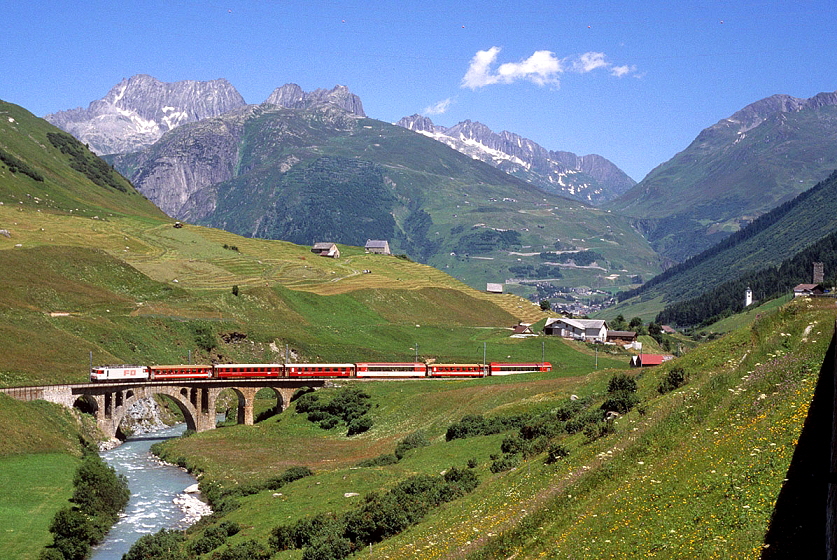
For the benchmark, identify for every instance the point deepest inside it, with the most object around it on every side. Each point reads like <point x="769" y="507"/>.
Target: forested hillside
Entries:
<point x="767" y="283"/>
<point x="770" y="241"/>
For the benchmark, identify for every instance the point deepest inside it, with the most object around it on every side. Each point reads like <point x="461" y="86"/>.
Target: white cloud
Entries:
<point x="620" y="71"/>
<point x="479" y="73"/>
<point x="438" y="108"/>
<point x="590" y="61"/>
<point x="542" y="68"/>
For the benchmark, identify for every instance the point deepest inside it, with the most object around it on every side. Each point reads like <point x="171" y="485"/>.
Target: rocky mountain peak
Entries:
<point x="590" y="178"/>
<point x="756" y="113"/>
<point x="418" y="123"/>
<point x="293" y="97"/>
<point x="137" y="111"/>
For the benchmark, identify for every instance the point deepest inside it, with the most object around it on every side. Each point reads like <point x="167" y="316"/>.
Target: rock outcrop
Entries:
<point x="292" y="97"/>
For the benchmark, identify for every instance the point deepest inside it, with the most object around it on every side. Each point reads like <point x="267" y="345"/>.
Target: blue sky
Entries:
<point x="633" y="81"/>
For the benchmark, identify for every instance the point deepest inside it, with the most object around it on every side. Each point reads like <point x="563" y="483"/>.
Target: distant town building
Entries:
<point x="748" y="297"/>
<point x="326" y="249"/>
<point x="377" y="246"/>
<point x="494" y="288"/>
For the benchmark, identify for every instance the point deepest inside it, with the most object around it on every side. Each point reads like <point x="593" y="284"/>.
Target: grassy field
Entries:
<point x="35" y="487"/>
<point x="694" y="473"/>
<point x="39" y="452"/>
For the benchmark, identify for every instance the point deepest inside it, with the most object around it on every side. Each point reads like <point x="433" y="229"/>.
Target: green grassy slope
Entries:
<point x="696" y="472"/>
<point x="66" y="187"/>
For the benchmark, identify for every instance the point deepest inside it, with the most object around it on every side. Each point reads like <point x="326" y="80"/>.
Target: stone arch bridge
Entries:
<point x="109" y="402"/>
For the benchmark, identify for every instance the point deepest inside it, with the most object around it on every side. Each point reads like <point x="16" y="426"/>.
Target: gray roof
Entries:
<point x="376" y="244"/>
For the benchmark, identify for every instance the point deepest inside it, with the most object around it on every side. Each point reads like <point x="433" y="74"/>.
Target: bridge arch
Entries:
<point x="86" y="403"/>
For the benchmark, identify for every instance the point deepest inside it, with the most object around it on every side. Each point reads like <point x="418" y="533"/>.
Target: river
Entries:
<point x="157" y="499"/>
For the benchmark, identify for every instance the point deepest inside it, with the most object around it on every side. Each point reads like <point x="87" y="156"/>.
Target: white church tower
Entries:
<point x="748" y="297"/>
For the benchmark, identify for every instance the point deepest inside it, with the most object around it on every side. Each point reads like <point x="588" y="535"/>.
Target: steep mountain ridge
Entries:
<point x="591" y="178"/>
<point x="137" y="111"/>
<point x="734" y="171"/>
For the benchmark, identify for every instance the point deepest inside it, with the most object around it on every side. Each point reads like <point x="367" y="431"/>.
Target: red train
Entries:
<point x="359" y="370"/>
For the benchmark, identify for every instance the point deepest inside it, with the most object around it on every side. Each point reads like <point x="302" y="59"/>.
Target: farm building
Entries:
<point x="646" y="360"/>
<point x="377" y="246"/>
<point x="325" y="249"/>
<point x="588" y="330"/>
<point x="494" y="288"/>
<point x="623" y="338"/>
<point x="807" y="290"/>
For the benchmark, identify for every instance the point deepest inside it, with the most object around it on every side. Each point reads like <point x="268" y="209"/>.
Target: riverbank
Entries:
<point x="163" y="496"/>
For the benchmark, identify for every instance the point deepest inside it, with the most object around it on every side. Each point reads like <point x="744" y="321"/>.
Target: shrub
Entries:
<point x="464" y="479"/>
<point x="600" y="429"/>
<point x="211" y="539"/>
<point x="589" y="417"/>
<point x="569" y="409"/>
<point x="511" y="444"/>
<point x="99" y="495"/>
<point x="329" y="422"/>
<point x="543" y="426"/>
<point x="412" y="441"/>
<point x="72" y="533"/>
<point x="505" y="463"/>
<point x="359" y="425"/>
<point x="535" y="447"/>
<point x="673" y="380"/>
<point x="475" y="425"/>
<point x="621" y="383"/>
<point x="379" y="461"/>
<point x="51" y="554"/>
<point x="247" y="550"/>
<point x="379" y="517"/>
<point x="556" y="451"/>
<point x="348" y="405"/>
<point x="620" y="402"/>
<point x="291" y="474"/>
<point x="330" y="547"/>
<point x="162" y="545"/>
